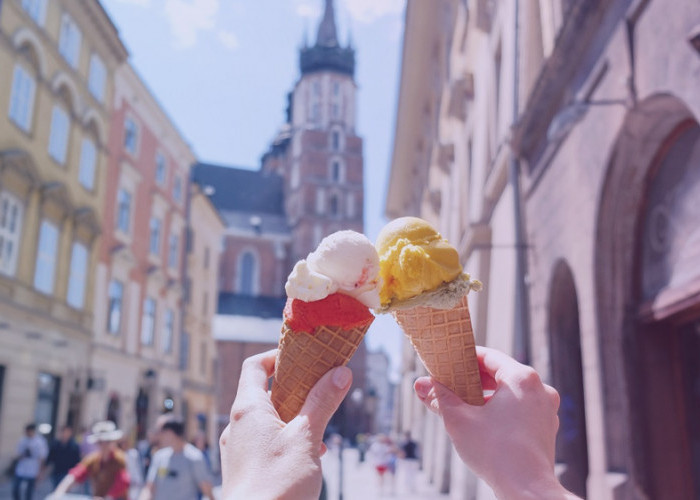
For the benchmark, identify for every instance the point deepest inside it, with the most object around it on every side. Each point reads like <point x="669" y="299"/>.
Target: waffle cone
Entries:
<point x="444" y="341"/>
<point x="303" y="358"/>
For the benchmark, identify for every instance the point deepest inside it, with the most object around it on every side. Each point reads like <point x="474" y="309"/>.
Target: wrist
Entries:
<point x="541" y="488"/>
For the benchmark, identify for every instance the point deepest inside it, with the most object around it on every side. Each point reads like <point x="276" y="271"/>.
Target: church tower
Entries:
<point x="318" y="151"/>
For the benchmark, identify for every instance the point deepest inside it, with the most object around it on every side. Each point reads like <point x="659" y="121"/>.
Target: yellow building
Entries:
<point x="206" y="233"/>
<point x="57" y="59"/>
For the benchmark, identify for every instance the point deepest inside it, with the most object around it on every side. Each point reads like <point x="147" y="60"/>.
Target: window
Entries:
<point x="160" y="169"/>
<point x="247" y="271"/>
<point x="97" y="77"/>
<point x="47" y="397"/>
<point x="173" y="250"/>
<point x="131" y="135"/>
<point x="46" y="257"/>
<point x="88" y="161"/>
<point x="334" y="205"/>
<point x="320" y="201"/>
<point x="114" y="315"/>
<point x="206" y="257"/>
<point x="336" y="171"/>
<point x="154" y="245"/>
<point x="335" y="140"/>
<point x="177" y="189"/>
<point x="36" y="10"/>
<point x="123" y="210"/>
<point x="184" y="350"/>
<point x="78" y="276"/>
<point x="22" y="98"/>
<point x="58" y="140"/>
<point x="10" y="231"/>
<point x="168" y="330"/>
<point x="148" y="321"/>
<point x="69" y="40"/>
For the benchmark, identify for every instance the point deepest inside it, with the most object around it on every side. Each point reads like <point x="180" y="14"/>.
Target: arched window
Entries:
<point x="247" y="273"/>
<point x="336" y="170"/>
<point x="333" y="205"/>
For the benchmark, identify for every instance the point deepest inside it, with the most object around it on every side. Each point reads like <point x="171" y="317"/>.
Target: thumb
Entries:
<point x="324" y="398"/>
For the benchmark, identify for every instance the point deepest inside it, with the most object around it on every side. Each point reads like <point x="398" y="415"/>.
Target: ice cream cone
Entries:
<point x="303" y="358"/>
<point x="444" y="341"/>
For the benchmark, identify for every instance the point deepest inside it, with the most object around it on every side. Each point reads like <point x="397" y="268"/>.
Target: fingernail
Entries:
<point x="341" y="377"/>
<point x="422" y="388"/>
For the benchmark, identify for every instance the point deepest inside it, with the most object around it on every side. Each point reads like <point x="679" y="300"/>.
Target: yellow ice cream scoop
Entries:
<point x="413" y="258"/>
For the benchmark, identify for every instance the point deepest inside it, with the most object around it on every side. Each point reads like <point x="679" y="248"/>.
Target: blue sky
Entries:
<point x="221" y="69"/>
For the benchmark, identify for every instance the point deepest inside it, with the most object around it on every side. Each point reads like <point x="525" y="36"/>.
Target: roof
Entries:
<point x="241" y="190"/>
<point x="246" y="305"/>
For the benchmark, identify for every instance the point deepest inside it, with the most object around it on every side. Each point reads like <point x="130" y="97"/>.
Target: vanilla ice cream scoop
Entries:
<point x="344" y="262"/>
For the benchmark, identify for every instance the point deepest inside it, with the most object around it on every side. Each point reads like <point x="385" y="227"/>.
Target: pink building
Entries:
<point x="137" y="349"/>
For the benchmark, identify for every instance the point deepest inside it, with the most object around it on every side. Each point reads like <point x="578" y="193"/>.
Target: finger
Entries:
<point x="496" y="364"/>
<point x="323" y="449"/>
<point x="423" y="386"/>
<point x="324" y="398"/>
<point x="255" y="373"/>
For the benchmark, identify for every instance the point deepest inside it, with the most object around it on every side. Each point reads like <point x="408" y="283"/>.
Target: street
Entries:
<point x="360" y="480"/>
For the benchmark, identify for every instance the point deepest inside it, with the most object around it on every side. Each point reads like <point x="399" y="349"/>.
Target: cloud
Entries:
<point x="228" y="39"/>
<point x="307" y="9"/>
<point x="368" y="11"/>
<point x="188" y="17"/>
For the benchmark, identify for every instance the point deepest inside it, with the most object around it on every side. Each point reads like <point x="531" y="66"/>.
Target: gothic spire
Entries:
<point x="327" y="54"/>
<point x="327" y="34"/>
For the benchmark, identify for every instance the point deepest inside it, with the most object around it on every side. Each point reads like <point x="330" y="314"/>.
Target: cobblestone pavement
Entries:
<point x="360" y="480"/>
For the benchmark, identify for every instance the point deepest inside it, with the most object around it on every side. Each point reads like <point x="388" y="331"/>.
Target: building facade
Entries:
<point x="57" y="61"/>
<point x="135" y="363"/>
<point x="198" y="348"/>
<point x="556" y="143"/>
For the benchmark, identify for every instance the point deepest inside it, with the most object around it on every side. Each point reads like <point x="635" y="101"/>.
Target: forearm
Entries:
<point x="546" y="488"/>
<point x="64" y="485"/>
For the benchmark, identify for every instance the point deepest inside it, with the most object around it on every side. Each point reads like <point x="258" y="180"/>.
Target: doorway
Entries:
<point x="567" y="378"/>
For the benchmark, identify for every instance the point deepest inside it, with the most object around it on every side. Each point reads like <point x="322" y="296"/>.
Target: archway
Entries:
<point x="641" y="344"/>
<point x="567" y="378"/>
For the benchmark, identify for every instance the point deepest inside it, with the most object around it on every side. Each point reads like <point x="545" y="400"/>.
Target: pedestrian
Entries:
<point x="409" y="462"/>
<point x="104" y="468"/>
<point x="509" y="442"/>
<point x="31" y="453"/>
<point x="178" y="470"/>
<point x="134" y="467"/>
<point x="382" y="453"/>
<point x="202" y="444"/>
<point x="64" y="454"/>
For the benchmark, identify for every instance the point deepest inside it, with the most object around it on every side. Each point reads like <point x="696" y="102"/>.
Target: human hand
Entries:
<point x="509" y="441"/>
<point x="261" y="456"/>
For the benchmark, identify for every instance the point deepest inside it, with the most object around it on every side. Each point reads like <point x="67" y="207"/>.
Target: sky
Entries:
<point x="221" y="69"/>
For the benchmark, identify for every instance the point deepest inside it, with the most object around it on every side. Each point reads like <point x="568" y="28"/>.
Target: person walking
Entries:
<point x="64" y="454"/>
<point x="105" y="468"/>
<point x="409" y="463"/>
<point x="383" y="454"/>
<point x="31" y="453"/>
<point x="178" y="471"/>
